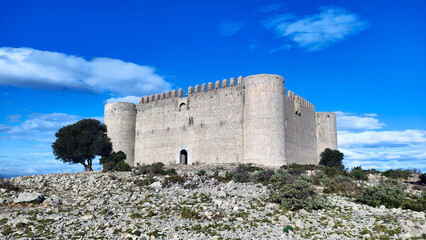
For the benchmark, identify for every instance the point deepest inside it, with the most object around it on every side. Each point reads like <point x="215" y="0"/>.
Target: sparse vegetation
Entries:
<point x="6" y="184"/>
<point x="359" y="174"/>
<point x="389" y="196"/>
<point x="397" y="174"/>
<point x="298" y="194"/>
<point x="114" y="162"/>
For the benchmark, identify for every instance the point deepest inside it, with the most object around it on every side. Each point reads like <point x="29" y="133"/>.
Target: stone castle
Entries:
<point x="248" y="121"/>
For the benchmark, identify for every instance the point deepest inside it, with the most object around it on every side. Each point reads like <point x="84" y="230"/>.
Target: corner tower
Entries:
<point x="120" y="120"/>
<point x="326" y="131"/>
<point x="263" y="129"/>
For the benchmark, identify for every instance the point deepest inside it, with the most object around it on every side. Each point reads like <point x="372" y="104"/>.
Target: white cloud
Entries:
<point x="39" y="127"/>
<point x="350" y="121"/>
<point x="31" y="68"/>
<point x="381" y="138"/>
<point x="369" y="148"/>
<point x="229" y="27"/>
<point x="131" y="99"/>
<point x="317" y="31"/>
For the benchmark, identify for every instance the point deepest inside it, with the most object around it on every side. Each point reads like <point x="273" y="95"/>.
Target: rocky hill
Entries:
<point x="129" y="205"/>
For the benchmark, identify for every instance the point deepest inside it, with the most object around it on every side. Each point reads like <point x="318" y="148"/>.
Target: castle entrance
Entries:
<point x="183" y="157"/>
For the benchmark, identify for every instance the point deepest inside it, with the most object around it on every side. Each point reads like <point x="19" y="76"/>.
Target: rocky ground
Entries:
<point x="123" y="205"/>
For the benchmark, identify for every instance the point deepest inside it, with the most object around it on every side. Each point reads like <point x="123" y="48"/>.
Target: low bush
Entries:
<point x="152" y="169"/>
<point x="173" y="179"/>
<point x="393" y="183"/>
<point x="343" y="185"/>
<point x="114" y="162"/>
<point x="321" y="179"/>
<point x="397" y="174"/>
<point x="389" y="196"/>
<point x="262" y="176"/>
<point x="358" y="174"/>
<point x="287" y="229"/>
<point x="422" y="178"/>
<point x="416" y="203"/>
<point x="202" y="172"/>
<point x="240" y="174"/>
<point x="331" y="172"/>
<point x="281" y="177"/>
<point x="295" y="169"/>
<point x="6" y="184"/>
<point x="298" y="195"/>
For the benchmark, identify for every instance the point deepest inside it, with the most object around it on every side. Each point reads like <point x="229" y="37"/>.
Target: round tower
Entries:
<point x="120" y="119"/>
<point x="263" y="130"/>
<point x="326" y="131"/>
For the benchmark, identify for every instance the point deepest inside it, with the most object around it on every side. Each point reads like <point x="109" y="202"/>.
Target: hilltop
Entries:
<point x="192" y="202"/>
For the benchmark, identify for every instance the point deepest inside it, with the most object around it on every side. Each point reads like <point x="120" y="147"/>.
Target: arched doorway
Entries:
<point x="183" y="157"/>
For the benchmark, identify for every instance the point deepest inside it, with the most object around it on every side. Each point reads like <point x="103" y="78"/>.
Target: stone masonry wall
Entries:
<point x="120" y="121"/>
<point x="326" y="133"/>
<point x="301" y="145"/>
<point x="208" y="125"/>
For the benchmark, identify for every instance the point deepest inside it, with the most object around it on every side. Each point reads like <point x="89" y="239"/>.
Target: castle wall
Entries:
<point x="120" y="121"/>
<point x="208" y="125"/>
<point x="301" y="145"/>
<point x="252" y="122"/>
<point x="264" y="136"/>
<point x="326" y="131"/>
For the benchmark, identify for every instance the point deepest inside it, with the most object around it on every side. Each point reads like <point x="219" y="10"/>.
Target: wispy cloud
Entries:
<point x="130" y="99"/>
<point x="318" y="31"/>
<point x="351" y="121"/>
<point x="31" y="68"/>
<point x="229" y="27"/>
<point x="364" y="144"/>
<point x="34" y="135"/>
<point x="39" y="127"/>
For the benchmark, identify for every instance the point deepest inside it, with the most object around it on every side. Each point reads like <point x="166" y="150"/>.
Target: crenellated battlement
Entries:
<point x="299" y="99"/>
<point x="237" y="120"/>
<point x="192" y="90"/>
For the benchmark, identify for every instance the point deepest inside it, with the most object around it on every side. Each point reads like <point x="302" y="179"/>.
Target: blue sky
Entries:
<point x="61" y="61"/>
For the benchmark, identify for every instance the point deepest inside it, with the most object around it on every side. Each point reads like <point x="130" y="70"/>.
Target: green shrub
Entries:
<point x="202" y="172"/>
<point x="287" y="229"/>
<point x="123" y="166"/>
<point x="295" y="169"/>
<point x="281" y="177"/>
<point x="397" y="174"/>
<point x="422" y="178"/>
<point x="6" y="184"/>
<point x="114" y="162"/>
<point x="342" y="184"/>
<point x="153" y="169"/>
<point x="393" y="183"/>
<point x="240" y="174"/>
<point x="297" y="195"/>
<point x="262" y="176"/>
<point x="416" y="204"/>
<point x="321" y="179"/>
<point x="358" y="174"/>
<point x="173" y="179"/>
<point x="332" y="158"/>
<point x="389" y="196"/>
<point x="332" y="172"/>
<point x="187" y="213"/>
